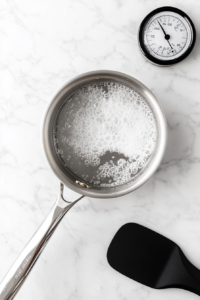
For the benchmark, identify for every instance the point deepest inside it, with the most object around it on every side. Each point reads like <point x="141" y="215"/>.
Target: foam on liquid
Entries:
<point x="105" y="133"/>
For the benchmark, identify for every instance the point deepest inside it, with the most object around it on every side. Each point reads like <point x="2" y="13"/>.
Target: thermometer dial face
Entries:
<point x="166" y="36"/>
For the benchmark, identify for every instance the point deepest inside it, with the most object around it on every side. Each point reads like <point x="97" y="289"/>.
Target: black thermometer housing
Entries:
<point x="166" y="36"/>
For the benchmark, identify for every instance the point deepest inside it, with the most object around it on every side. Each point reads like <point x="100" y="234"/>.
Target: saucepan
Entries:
<point x="104" y="135"/>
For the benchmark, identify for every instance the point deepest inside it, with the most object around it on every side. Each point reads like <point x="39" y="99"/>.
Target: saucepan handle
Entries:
<point x="24" y="263"/>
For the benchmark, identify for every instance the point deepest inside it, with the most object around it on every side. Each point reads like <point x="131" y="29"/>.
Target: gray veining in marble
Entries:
<point x="42" y="45"/>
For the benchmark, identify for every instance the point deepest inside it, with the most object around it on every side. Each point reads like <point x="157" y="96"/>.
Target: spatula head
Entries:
<point x="140" y="253"/>
<point x="152" y="259"/>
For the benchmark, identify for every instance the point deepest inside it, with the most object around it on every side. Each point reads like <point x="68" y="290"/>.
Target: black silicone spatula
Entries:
<point x="151" y="259"/>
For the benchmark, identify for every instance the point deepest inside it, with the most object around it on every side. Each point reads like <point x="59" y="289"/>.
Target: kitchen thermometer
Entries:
<point x="166" y="36"/>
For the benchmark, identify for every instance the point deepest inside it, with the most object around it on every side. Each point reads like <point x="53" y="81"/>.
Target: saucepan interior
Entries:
<point x="81" y="184"/>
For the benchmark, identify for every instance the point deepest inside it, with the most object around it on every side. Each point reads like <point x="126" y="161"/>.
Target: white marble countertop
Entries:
<point x="44" y="43"/>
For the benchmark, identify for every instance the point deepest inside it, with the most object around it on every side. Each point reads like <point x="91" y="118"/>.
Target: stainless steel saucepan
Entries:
<point x="69" y="169"/>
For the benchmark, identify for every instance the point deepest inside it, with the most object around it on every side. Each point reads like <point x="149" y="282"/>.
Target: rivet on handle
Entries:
<point x="83" y="184"/>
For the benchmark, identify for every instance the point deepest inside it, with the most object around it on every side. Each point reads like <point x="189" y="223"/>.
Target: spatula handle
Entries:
<point x="180" y="273"/>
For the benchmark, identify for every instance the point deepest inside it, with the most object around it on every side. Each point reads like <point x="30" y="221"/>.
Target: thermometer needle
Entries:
<point x="167" y="36"/>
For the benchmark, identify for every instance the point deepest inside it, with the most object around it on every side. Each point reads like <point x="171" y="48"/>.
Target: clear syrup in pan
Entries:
<point x="105" y="134"/>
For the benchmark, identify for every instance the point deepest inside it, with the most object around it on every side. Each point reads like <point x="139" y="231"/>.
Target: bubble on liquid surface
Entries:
<point x="105" y="133"/>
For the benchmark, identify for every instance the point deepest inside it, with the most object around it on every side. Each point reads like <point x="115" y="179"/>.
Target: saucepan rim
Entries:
<point x="68" y="179"/>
